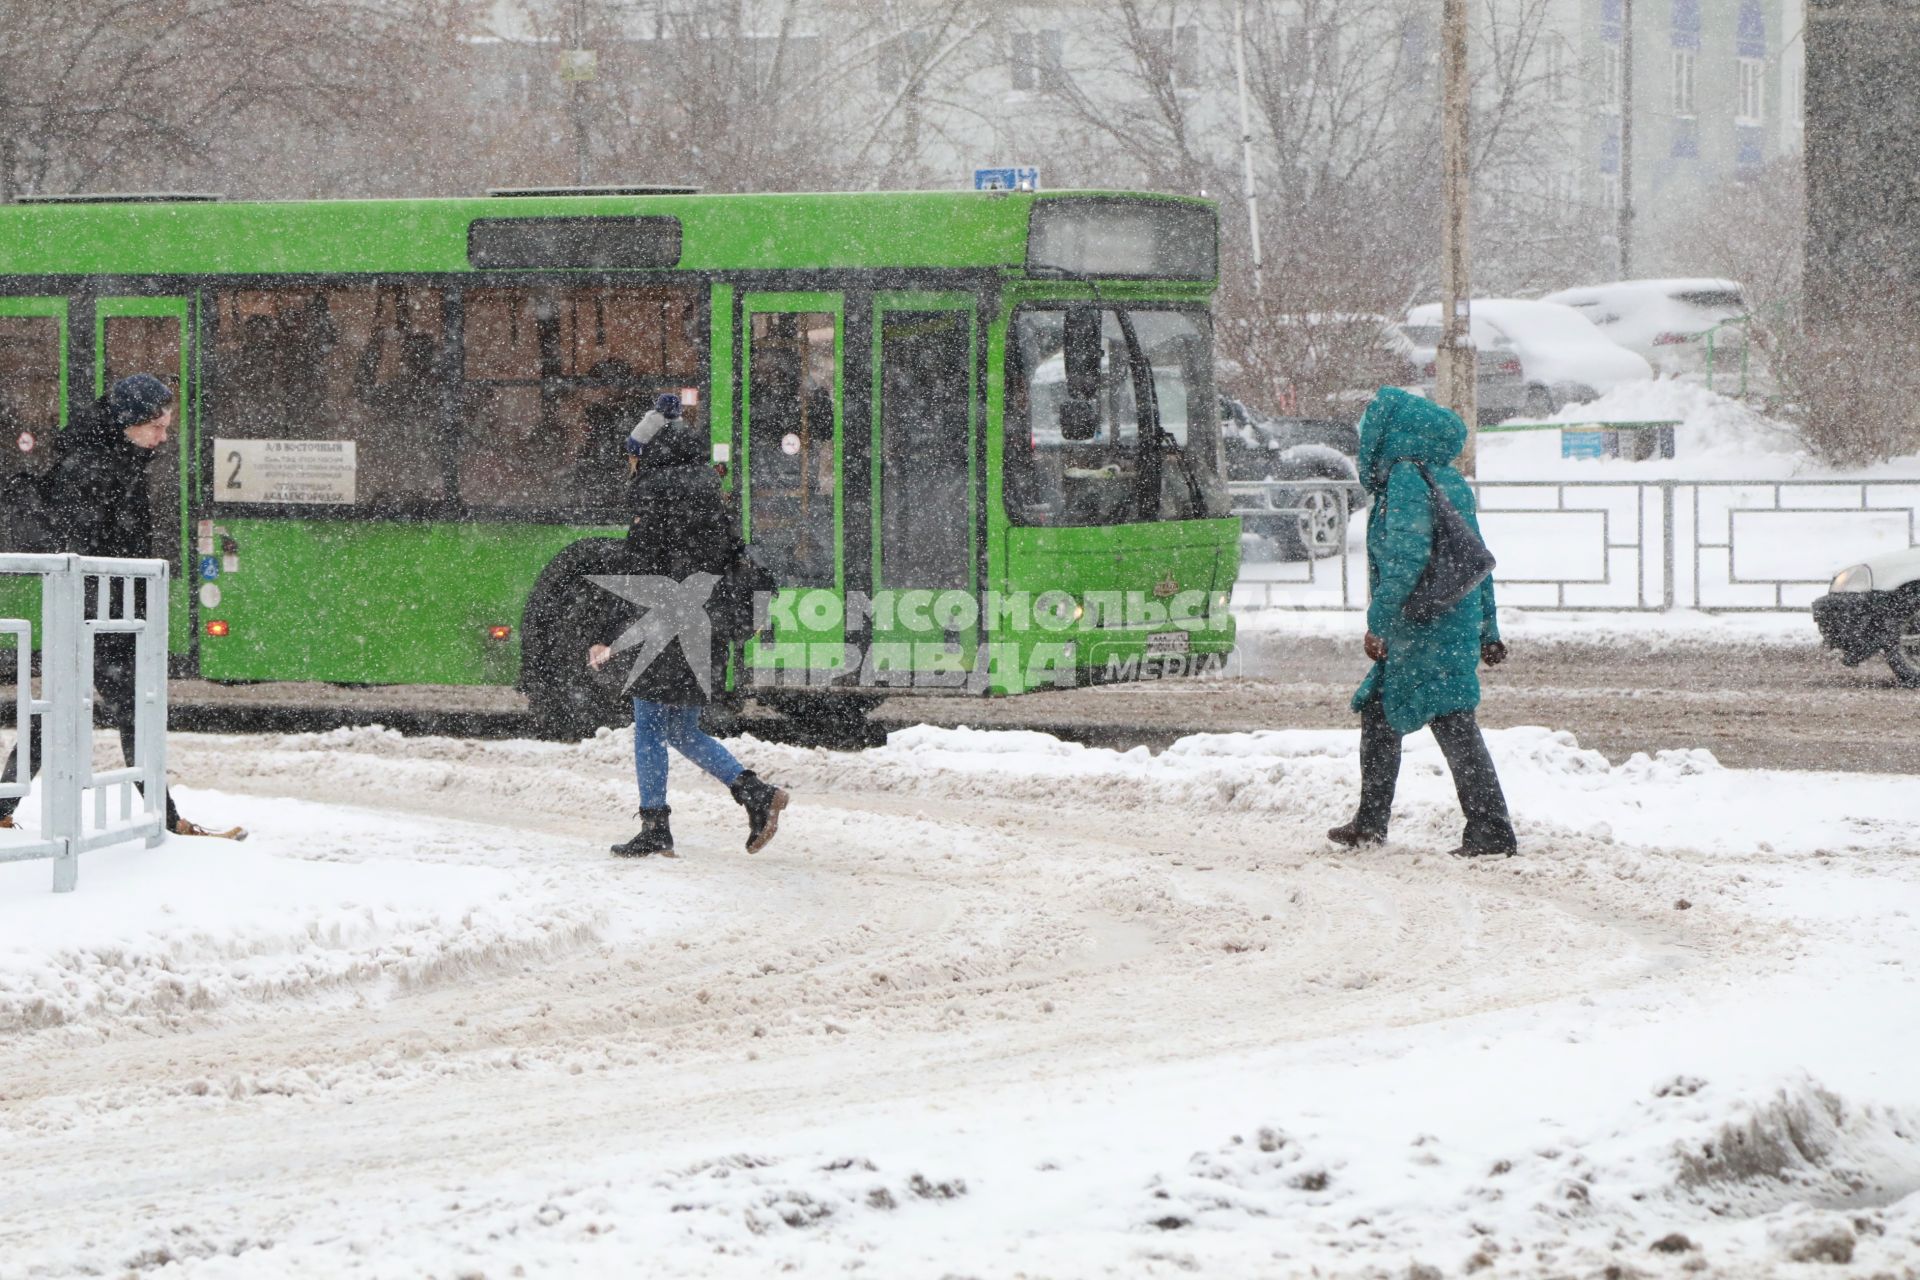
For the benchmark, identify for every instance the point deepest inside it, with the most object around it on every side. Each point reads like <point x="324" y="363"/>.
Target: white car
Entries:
<point x="1563" y="359"/>
<point x="1875" y="608"/>
<point x="1681" y="326"/>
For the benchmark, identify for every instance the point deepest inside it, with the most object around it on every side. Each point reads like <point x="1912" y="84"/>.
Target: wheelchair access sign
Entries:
<point x="1014" y="178"/>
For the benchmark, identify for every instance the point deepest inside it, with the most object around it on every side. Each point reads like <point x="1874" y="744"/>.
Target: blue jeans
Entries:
<point x="657" y="726"/>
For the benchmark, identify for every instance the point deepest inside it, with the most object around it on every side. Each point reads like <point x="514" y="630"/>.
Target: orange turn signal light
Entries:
<point x="499" y="633"/>
<point x="217" y="628"/>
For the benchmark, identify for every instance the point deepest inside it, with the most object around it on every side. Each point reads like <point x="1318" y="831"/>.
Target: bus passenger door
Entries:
<point x="151" y="335"/>
<point x="791" y="493"/>
<point x="34" y="392"/>
<point x="925" y="508"/>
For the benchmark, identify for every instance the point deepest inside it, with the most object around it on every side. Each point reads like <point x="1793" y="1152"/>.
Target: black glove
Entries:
<point x="1492" y="652"/>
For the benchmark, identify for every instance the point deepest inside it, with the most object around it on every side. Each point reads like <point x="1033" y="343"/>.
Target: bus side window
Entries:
<point x="553" y="379"/>
<point x="29" y="392"/>
<point x="361" y="362"/>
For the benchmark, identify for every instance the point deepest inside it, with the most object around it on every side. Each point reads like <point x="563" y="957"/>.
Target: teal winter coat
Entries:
<point x="1432" y="668"/>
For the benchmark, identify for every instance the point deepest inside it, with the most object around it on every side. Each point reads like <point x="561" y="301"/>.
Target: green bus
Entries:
<point x="956" y="425"/>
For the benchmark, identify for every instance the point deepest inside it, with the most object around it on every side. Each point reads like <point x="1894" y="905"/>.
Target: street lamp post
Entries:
<point x="1246" y="140"/>
<point x="578" y="67"/>
<point x="1626" y="139"/>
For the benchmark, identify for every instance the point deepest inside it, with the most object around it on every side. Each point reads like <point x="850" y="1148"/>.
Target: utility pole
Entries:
<point x="1246" y="141"/>
<point x="1455" y="360"/>
<point x="1626" y="139"/>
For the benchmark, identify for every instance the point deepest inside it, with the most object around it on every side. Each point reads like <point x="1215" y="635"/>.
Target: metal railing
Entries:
<point x="1275" y="500"/>
<point x="1646" y="546"/>
<point x="82" y="598"/>
<point x="1744" y="324"/>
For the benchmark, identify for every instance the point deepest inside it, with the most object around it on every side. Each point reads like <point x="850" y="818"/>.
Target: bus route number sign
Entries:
<point x="294" y="472"/>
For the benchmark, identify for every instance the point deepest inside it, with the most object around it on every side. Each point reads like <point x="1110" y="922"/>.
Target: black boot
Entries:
<point x="763" y="803"/>
<point x="1353" y="835"/>
<point x="1470" y="850"/>
<point x="655" y="836"/>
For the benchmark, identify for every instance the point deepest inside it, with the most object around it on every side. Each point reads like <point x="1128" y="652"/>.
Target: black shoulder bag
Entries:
<point x="1460" y="561"/>
<point x="732" y="606"/>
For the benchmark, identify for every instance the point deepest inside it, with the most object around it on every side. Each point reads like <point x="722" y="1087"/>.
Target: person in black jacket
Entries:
<point x="96" y="504"/>
<point x="683" y="539"/>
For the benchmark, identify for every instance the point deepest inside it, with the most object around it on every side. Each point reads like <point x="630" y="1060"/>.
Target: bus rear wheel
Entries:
<point x="826" y="718"/>
<point x="567" y="699"/>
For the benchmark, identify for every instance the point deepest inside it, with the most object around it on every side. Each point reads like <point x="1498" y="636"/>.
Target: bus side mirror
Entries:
<point x="1079" y="420"/>
<point x="1082" y="340"/>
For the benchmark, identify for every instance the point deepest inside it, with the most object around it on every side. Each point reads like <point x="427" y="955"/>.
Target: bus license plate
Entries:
<point x="1168" y="642"/>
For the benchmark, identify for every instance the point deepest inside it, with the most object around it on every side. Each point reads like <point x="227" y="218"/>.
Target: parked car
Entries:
<point x="1563" y="358"/>
<point x="1874" y="608"/>
<point x="1500" y="391"/>
<point x="1306" y="523"/>
<point x="1669" y="323"/>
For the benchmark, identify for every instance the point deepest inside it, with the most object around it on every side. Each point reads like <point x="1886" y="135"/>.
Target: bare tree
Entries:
<point x="132" y="92"/>
<point x="1847" y="384"/>
<point x="1752" y="229"/>
<point x="1346" y="141"/>
<point x="736" y="95"/>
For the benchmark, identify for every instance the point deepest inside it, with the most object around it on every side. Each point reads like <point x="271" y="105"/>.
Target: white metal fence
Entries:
<point x="82" y="598"/>
<point x="1714" y="545"/>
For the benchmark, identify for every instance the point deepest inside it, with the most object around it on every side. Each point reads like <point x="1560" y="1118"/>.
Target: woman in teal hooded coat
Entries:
<point x="1424" y="673"/>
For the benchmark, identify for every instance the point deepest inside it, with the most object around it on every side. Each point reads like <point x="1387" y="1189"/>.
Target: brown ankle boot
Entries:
<point x="182" y="827"/>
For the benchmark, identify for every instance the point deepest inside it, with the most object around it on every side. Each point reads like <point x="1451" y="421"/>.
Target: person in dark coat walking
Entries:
<point x="96" y="504"/>
<point x="1424" y="673"/>
<point x="683" y="533"/>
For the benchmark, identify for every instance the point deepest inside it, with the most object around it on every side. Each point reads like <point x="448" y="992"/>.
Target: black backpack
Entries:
<point x="1460" y="561"/>
<point x="24" y="523"/>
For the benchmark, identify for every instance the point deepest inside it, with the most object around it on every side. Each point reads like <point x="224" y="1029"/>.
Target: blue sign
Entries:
<point x="1583" y="444"/>
<point x="209" y="568"/>
<point x="1010" y="179"/>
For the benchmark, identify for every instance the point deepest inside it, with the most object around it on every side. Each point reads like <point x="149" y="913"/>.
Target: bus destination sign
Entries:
<point x="307" y="472"/>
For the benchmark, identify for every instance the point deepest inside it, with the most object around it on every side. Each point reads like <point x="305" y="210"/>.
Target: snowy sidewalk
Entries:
<point x="993" y="1004"/>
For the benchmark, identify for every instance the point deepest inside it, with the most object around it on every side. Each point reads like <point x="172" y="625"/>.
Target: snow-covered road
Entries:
<point x="991" y="1005"/>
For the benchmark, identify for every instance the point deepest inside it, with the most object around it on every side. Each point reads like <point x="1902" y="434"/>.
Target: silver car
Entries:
<point x="1500" y="390"/>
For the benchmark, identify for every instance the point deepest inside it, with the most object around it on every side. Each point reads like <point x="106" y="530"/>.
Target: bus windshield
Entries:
<point x="1161" y="464"/>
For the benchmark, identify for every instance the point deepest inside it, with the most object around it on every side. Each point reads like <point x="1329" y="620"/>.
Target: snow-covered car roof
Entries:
<point x="1643" y="315"/>
<point x="1680" y="288"/>
<point x="1557" y="345"/>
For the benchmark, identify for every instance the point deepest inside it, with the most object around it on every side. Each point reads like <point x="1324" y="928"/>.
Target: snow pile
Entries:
<point x="1799" y="1143"/>
<point x="1653" y="632"/>
<point x="1792" y="1175"/>
<point x="1718" y="438"/>
<point x="154" y="938"/>
<point x="1309" y="780"/>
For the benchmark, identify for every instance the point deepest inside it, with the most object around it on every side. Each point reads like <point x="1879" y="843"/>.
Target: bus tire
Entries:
<point x="566" y="701"/>
<point x="827" y="716"/>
